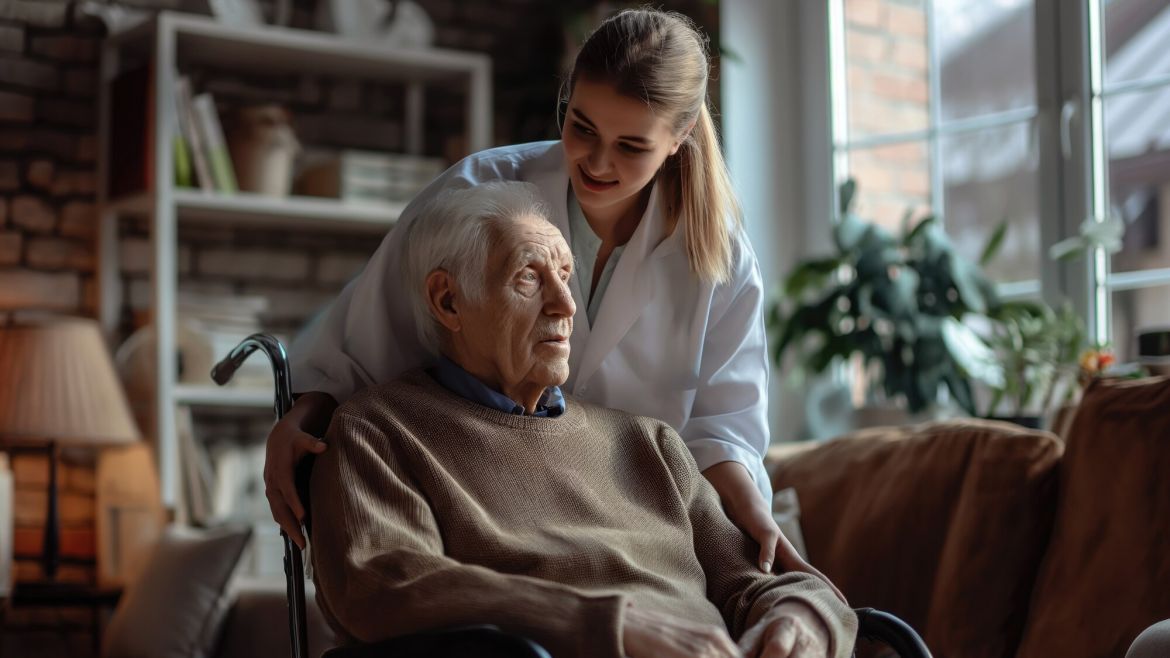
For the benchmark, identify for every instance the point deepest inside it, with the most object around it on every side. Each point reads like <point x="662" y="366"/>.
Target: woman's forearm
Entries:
<point x="311" y="412"/>
<point x="734" y="484"/>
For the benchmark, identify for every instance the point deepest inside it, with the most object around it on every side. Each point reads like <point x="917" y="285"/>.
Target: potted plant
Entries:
<point x="897" y="302"/>
<point x="1038" y="349"/>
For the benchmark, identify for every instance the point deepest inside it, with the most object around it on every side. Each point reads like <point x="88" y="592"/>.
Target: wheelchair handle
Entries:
<point x="223" y="371"/>
<point x="293" y="562"/>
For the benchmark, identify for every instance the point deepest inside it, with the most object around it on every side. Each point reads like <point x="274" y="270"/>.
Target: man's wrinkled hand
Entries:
<point x="790" y="630"/>
<point x="650" y="634"/>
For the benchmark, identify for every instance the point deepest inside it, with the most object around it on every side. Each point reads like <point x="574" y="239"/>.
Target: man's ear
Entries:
<point x="441" y="295"/>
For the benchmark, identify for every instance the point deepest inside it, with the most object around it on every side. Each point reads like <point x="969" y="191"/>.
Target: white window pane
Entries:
<point x="891" y="181"/>
<point x="1134" y="311"/>
<point x="1137" y="133"/>
<point x="990" y="176"/>
<point x="986" y="56"/>
<point x="1136" y="34"/>
<point x="886" y="66"/>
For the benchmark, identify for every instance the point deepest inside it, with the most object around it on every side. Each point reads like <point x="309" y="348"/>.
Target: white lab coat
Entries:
<point x="665" y="344"/>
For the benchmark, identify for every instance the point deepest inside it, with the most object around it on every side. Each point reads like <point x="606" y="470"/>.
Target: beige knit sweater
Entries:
<point x="433" y="511"/>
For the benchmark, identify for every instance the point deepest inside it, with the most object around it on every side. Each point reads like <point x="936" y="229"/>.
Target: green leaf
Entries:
<point x="921" y="226"/>
<point x="1068" y="249"/>
<point x="845" y="196"/>
<point x="810" y="274"/>
<point x="960" y="390"/>
<point x="964" y="276"/>
<point x="971" y="354"/>
<point x="898" y="294"/>
<point x="774" y="318"/>
<point x="994" y="244"/>
<point x="835" y="346"/>
<point x="849" y="233"/>
<point x="730" y="55"/>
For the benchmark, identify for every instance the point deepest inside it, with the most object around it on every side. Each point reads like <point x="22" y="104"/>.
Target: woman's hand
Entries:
<point x="748" y="510"/>
<point x="650" y="634"/>
<point x="288" y="442"/>
<point x="790" y="630"/>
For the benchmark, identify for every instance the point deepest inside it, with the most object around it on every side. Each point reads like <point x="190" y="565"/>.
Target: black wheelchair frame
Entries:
<point x="484" y="641"/>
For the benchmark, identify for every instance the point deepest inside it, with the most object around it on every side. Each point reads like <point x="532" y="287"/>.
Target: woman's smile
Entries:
<point x="595" y="184"/>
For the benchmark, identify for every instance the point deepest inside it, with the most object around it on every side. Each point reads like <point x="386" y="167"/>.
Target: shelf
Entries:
<point x="215" y="396"/>
<point x="202" y="40"/>
<point x="258" y="211"/>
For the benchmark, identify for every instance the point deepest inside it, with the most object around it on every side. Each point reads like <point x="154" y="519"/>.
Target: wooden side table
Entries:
<point x="64" y="595"/>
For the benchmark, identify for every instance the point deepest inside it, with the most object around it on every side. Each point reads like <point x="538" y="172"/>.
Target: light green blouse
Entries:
<point x="585" y="243"/>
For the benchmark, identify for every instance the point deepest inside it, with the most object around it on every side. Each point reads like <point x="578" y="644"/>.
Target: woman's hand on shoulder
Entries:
<point x="288" y="442"/>
<point x="746" y="508"/>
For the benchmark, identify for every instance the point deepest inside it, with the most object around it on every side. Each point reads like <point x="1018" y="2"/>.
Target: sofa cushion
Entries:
<point x="1105" y="575"/>
<point x="175" y="608"/>
<point x="942" y="524"/>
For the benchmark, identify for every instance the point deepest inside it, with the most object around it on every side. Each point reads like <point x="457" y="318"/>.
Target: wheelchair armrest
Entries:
<point x="895" y="633"/>
<point x="482" y="641"/>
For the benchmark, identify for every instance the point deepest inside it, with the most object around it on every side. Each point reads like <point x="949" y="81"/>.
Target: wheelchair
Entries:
<point x="482" y="641"/>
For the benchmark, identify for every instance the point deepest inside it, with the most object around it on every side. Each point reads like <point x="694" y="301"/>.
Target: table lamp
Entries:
<point x="58" y="387"/>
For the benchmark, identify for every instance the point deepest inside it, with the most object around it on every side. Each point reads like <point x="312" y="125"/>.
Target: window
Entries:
<point x="1038" y="112"/>
<point x="1134" y="98"/>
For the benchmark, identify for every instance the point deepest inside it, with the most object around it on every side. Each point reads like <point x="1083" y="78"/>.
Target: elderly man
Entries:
<point x="474" y="492"/>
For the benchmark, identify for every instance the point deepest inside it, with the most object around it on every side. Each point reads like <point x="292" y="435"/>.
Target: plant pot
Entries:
<point x="1029" y="422"/>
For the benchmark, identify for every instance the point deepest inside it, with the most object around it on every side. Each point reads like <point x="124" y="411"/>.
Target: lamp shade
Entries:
<point x="57" y="383"/>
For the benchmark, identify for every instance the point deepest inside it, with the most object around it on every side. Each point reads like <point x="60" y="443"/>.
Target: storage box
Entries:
<point x="365" y="175"/>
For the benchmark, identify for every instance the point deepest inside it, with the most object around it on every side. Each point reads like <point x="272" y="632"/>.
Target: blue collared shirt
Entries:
<point x="460" y="382"/>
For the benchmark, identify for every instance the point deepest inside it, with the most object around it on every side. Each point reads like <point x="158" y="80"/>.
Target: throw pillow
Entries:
<point x="942" y="524"/>
<point x="786" y="512"/>
<point x="1104" y="577"/>
<point x="175" y="608"/>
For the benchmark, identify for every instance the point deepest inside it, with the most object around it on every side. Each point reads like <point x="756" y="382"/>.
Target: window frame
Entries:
<point x="1068" y="120"/>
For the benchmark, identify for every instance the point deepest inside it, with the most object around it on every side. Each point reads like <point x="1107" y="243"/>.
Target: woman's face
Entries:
<point x="614" y="145"/>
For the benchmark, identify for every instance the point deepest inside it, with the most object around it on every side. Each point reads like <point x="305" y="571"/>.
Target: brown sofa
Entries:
<point x="993" y="540"/>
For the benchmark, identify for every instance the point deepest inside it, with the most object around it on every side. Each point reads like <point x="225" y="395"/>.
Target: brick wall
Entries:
<point x="888" y="92"/>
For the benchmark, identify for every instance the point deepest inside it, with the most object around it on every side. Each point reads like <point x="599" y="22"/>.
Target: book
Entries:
<point x="215" y="145"/>
<point x="182" y="161"/>
<point x="191" y="134"/>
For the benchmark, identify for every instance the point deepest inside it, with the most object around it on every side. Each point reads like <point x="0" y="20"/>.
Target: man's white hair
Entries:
<point x="454" y="232"/>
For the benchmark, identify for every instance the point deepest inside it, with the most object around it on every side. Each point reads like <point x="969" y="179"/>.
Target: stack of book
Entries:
<point x="201" y="154"/>
<point x="366" y="176"/>
<point x="221" y="322"/>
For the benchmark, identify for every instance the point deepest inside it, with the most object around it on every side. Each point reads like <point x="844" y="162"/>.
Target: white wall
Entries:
<point x="776" y="138"/>
<point x="762" y="135"/>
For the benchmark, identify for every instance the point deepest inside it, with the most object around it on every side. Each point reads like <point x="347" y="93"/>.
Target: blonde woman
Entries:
<point x="668" y="288"/>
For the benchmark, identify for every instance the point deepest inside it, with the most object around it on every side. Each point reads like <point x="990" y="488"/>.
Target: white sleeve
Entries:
<point x="368" y="335"/>
<point x="729" y="417"/>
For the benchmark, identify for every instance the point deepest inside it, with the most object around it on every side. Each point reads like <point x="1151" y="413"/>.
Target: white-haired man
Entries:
<point x="474" y="492"/>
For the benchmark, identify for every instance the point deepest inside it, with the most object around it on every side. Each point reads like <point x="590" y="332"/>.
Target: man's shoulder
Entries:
<point x="616" y="419"/>
<point x="406" y="390"/>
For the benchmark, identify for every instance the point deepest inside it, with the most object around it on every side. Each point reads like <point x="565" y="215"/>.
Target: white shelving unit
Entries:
<point x="172" y="41"/>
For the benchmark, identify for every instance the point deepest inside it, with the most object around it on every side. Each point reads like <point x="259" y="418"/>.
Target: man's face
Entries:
<point x="517" y="335"/>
